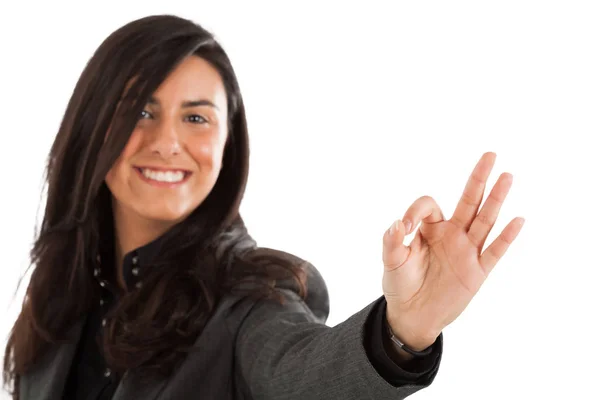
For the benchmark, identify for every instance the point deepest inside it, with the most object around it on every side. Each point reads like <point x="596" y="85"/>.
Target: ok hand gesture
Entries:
<point x="429" y="283"/>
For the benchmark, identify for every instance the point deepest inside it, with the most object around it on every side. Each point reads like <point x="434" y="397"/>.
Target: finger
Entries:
<point x="395" y="253"/>
<point x="467" y="207"/>
<point x="423" y="209"/>
<point x="496" y="250"/>
<point x="485" y="220"/>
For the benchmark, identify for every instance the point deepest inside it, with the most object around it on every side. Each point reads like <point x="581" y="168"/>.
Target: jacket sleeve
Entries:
<point x="284" y="352"/>
<point x="417" y="370"/>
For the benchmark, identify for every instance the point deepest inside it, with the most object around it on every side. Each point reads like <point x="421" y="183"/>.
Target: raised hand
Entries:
<point x="429" y="283"/>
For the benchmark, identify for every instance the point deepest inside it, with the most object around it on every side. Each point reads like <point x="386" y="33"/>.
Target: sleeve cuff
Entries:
<point x="416" y="371"/>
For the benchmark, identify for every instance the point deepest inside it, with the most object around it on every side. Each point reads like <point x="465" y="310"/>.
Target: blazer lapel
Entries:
<point x="47" y="379"/>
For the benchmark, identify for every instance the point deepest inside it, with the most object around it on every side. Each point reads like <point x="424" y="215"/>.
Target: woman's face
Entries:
<point x="174" y="155"/>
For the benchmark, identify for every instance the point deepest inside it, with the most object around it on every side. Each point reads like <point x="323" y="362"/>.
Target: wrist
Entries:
<point x="398" y="355"/>
<point x="409" y="336"/>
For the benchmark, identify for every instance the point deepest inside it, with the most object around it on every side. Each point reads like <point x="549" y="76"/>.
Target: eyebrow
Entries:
<point x="188" y="103"/>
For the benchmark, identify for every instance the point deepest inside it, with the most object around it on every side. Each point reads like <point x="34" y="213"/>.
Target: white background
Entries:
<point x="356" y="110"/>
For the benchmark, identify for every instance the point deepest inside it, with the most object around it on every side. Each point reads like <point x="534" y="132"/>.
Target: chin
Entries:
<point x="165" y="214"/>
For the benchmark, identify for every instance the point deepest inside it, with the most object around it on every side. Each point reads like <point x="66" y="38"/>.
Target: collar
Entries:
<point x="136" y="264"/>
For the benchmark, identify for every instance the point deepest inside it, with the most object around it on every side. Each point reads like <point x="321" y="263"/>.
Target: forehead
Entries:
<point x="193" y="79"/>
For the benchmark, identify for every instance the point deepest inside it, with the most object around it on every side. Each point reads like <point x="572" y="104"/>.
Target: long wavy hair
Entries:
<point x="202" y="258"/>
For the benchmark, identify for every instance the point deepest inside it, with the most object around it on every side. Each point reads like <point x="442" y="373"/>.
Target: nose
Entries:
<point x="165" y="140"/>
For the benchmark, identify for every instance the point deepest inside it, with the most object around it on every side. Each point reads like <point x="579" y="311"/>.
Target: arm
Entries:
<point x="284" y="353"/>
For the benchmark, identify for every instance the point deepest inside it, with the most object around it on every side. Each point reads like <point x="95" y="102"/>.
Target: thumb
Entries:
<point x="395" y="253"/>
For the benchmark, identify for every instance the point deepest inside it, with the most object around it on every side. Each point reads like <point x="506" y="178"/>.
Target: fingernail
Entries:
<point x="407" y="226"/>
<point x="394" y="228"/>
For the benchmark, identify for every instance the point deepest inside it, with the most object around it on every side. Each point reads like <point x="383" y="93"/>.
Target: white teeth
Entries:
<point x="161" y="176"/>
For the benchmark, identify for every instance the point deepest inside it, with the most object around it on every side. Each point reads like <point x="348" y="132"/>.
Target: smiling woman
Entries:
<point x="142" y="249"/>
<point x="147" y="285"/>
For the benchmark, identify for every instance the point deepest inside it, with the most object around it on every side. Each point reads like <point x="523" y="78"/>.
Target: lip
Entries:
<point x="164" y="169"/>
<point x="151" y="182"/>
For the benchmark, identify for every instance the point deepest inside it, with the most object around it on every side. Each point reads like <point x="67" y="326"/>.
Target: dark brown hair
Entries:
<point x="202" y="258"/>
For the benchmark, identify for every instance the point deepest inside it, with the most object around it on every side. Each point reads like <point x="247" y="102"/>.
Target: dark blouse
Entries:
<point x="90" y="379"/>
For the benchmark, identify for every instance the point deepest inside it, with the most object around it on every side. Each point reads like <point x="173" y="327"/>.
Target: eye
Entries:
<point x="197" y="119"/>
<point x="145" y="115"/>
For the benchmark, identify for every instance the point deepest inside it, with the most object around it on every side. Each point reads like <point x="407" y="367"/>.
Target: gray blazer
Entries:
<point x="251" y="350"/>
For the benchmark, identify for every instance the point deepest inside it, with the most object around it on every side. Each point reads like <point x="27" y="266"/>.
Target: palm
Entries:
<point x="430" y="282"/>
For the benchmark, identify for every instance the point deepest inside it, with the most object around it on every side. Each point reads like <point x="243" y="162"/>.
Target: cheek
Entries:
<point x="208" y="156"/>
<point x="120" y="168"/>
<point x="133" y="145"/>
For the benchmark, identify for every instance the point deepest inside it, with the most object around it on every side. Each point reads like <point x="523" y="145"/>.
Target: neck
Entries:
<point x="133" y="232"/>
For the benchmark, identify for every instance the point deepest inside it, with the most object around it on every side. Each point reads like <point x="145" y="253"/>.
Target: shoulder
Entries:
<point x="316" y="296"/>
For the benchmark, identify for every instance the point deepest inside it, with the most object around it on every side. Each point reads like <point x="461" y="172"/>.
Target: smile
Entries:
<point x="163" y="177"/>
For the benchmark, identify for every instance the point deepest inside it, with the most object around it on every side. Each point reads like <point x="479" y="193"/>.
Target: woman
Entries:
<point x="147" y="285"/>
